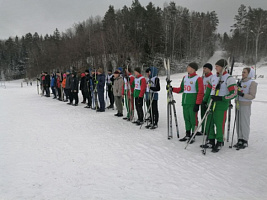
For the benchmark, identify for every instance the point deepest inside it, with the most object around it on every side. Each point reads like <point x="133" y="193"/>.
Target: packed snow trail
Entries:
<point x="50" y="150"/>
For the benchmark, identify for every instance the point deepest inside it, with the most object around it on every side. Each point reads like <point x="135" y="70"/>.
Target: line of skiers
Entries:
<point x="122" y="88"/>
<point x="218" y="89"/>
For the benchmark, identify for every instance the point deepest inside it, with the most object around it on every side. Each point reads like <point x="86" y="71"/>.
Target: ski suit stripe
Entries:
<point x="224" y="119"/>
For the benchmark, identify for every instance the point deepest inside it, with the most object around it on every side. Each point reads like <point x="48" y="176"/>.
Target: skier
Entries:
<point x="47" y="84"/>
<point x="207" y="74"/>
<point x="226" y="86"/>
<point x="82" y="87"/>
<point x="247" y="90"/>
<point x="87" y="89"/>
<point x="101" y="90"/>
<point x="58" y="85"/>
<point x="128" y="91"/>
<point x="139" y="91"/>
<point x="64" y="87"/>
<point x="117" y="91"/>
<point x="74" y="88"/>
<point x="154" y="88"/>
<point x="53" y="85"/>
<point x="193" y="92"/>
<point x="94" y="89"/>
<point x="109" y="83"/>
<point x="68" y="85"/>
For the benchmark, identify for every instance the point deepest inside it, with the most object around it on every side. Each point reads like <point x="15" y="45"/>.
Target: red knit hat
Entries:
<point x="82" y="74"/>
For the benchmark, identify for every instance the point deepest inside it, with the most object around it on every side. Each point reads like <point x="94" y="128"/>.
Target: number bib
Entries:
<point x="190" y="84"/>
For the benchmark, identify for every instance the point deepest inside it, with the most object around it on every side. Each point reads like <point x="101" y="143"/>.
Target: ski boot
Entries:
<point x="187" y="136"/>
<point x="209" y="145"/>
<point x="217" y="147"/>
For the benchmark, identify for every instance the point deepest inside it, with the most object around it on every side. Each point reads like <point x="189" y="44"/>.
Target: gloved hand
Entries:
<point x="218" y="86"/>
<point x="204" y="104"/>
<point x="216" y="98"/>
<point x="169" y="87"/>
<point x="240" y="93"/>
<point x="196" y="108"/>
<point x="140" y="100"/>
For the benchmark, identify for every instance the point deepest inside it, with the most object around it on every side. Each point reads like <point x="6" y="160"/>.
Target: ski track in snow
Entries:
<point x="50" y="150"/>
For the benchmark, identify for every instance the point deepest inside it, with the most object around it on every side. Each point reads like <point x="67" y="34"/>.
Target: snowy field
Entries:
<point x="52" y="151"/>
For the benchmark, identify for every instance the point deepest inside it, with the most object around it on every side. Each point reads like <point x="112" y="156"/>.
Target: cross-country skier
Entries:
<point x="226" y="85"/>
<point x="117" y="91"/>
<point x="68" y="85"/>
<point x="139" y="91"/>
<point x="53" y="85"/>
<point x="193" y="92"/>
<point x="87" y="89"/>
<point x="58" y="85"/>
<point x="153" y="97"/>
<point x="247" y="90"/>
<point x="83" y="87"/>
<point x="100" y="89"/>
<point x="47" y="84"/>
<point x="207" y="74"/>
<point x="64" y="86"/>
<point x="128" y="92"/>
<point x="109" y="83"/>
<point x="74" y="89"/>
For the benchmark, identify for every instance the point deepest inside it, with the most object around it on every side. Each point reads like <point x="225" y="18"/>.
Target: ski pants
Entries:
<point x="54" y="91"/>
<point x="74" y="95"/>
<point x="110" y="94"/>
<point x="101" y="99"/>
<point x="67" y="92"/>
<point x="47" y="90"/>
<point x="59" y="93"/>
<point x="190" y="117"/>
<point x="130" y="110"/>
<point x="216" y="119"/>
<point x="243" y="122"/>
<point x="118" y="102"/>
<point x="88" y="97"/>
<point x="139" y="108"/>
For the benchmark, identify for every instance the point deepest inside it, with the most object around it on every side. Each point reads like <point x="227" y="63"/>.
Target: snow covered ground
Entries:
<point x="49" y="150"/>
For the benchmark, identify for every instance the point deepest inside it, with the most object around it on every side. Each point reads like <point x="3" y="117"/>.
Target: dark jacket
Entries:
<point x="83" y="83"/>
<point x="101" y="82"/>
<point x="47" y="80"/>
<point x="74" y="84"/>
<point x="68" y="82"/>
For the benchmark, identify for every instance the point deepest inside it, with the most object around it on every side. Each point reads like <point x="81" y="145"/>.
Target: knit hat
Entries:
<point x="193" y="65"/>
<point x="208" y="65"/>
<point x="116" y="72"/>
<point x="64" y="75"/>
<point x="120" y="68"/>
<point x="87" y="71"/>
<point x="138" y="69"/>
<point x="82" y="74"/>
<point x="148" y="70"/>
<point x="109" y="70"/>
<point x="221" y="62"/>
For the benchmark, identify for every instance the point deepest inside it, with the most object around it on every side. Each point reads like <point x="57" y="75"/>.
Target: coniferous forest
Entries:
<point x="141" y="34"/>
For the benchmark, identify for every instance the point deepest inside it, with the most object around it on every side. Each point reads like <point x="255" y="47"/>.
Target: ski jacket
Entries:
<point x="126" y="86"/>
<point x="153" y="84"/>
<point x="100" y="82"/>
<point x="64" y="83"/>
<point x="249" y="88"/>
<point x="74" y="84"/>
<point x="110" y="79"/>
<point x="68" y="82"/>
<point x="58" y="81"/>
<point x="192" y="89"/>
<point x="140" y="86"/>
<point x="117" y="86"/>
<point x="206" y="80"/>
<point x="82" y="83"/>
<point x="228" y="90"/>
<point x="53" y="81"/>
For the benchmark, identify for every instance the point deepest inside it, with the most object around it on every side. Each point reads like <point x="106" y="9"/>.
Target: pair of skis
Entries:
<point x="170" y="102"/>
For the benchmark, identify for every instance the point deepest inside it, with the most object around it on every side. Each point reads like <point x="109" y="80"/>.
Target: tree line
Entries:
<point x="139" y="34"/>
<point x="250" y="27"/>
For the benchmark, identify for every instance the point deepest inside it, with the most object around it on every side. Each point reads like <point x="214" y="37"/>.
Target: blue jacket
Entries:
<point x="101" y="82"/>
<point x="53" y="81"/>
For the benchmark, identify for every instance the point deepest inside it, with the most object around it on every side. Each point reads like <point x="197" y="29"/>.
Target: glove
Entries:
<point x="204" y="104"/>
<point x="216" y="98"/>
<point x="140" y="100"/>
<point x="240" y="93"/>
<point x="196" y="108"/>
<point x="169" y="87"/>
<point x="218" y="86"/>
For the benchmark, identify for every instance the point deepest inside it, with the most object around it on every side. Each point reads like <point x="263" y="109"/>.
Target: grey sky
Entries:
<point x="18" y="17"/>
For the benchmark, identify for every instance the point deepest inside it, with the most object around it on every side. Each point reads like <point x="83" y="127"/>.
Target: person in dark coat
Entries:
<point x="87" y="89"/>
<point x="100" y="89"/>
<point x="74" y="89"/>
<point x="47" y="84"/>
<point x="82" y="87"/>
<point x="68" y="85"/>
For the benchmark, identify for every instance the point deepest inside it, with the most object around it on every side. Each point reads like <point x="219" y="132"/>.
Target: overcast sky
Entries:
<point x="18" y="17"/>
